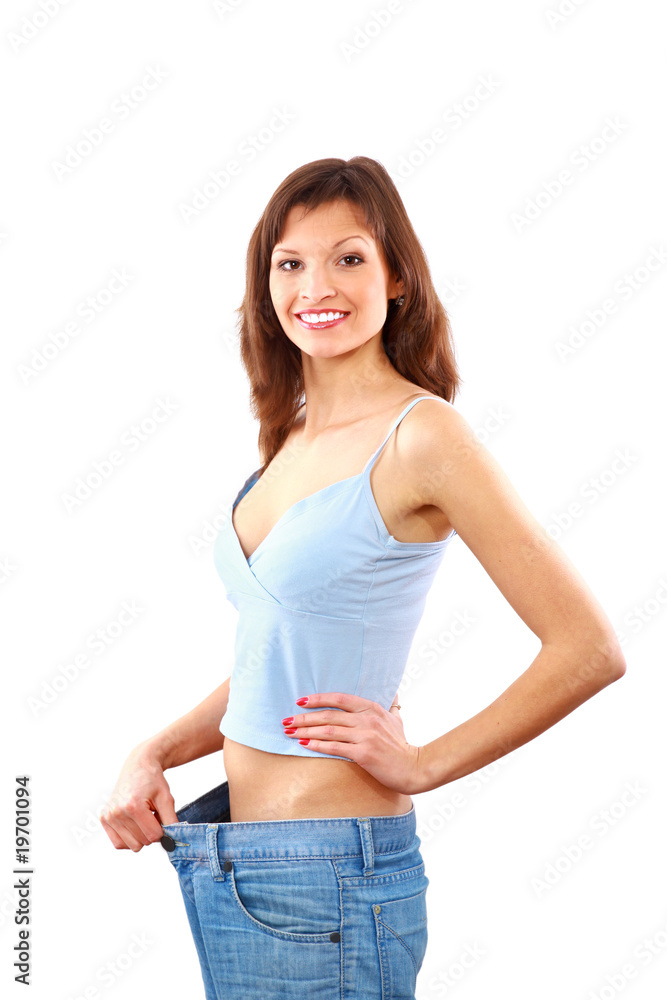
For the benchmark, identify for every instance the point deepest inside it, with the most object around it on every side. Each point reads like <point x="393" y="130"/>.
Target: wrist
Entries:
<point x="426" y="779"/>
<point x="154" y="752"/>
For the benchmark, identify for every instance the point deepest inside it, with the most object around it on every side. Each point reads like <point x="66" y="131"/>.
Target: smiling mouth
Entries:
<point x="321" y="320"/>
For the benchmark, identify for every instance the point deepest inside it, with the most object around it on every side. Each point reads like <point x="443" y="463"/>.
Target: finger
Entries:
<point x="124" y="836"/>
<point x="112" y="835"/>
<point x="164" y="804"/>
<point x="319" y="732"/>
<point x="337" y="749"/>
<point x="337" y="699"/>
<point x="333" y="718"/>
<point x="144" y="823"/>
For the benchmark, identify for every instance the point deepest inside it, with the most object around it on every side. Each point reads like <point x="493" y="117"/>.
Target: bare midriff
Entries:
<point x="265" y="786"/>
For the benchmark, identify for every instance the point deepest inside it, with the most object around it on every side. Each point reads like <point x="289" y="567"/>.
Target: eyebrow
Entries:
<point x="356" y="237"/>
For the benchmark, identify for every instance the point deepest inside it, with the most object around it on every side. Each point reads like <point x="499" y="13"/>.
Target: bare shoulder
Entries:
<point x="449" y="468"/>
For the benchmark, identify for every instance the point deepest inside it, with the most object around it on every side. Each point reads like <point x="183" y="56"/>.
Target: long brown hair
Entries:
<point x="416" y="336"/>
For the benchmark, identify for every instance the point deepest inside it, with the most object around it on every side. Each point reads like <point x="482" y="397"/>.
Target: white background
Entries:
<point x="514" y="289"/>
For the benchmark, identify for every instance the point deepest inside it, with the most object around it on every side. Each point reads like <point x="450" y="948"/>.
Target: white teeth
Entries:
<point x="321" y="317"/>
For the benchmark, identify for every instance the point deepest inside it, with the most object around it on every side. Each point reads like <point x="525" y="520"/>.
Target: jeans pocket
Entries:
<point x="401" y="927"/>
<point x="297" y="899"/>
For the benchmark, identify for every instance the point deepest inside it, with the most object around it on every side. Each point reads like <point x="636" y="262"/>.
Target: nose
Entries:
<point x="316" y="285"/>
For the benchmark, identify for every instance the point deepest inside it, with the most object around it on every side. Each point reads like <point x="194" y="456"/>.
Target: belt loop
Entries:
<point x="366" y="834"/>
<point x="212" y="845"/>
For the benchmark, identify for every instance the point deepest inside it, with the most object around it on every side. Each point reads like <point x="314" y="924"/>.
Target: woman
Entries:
<point x="304" y="868"/>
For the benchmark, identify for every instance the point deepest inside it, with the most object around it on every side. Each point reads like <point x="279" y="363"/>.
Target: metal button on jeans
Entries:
<point x="168" y="843"/>
<point x="227" y="865"/>
<point x="335" y="936"/>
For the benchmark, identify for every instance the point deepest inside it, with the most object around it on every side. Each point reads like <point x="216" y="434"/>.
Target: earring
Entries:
<point x="400" y="300"/>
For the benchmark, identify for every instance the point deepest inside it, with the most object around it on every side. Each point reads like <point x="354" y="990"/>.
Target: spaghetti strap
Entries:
<point x="371" y="460"/>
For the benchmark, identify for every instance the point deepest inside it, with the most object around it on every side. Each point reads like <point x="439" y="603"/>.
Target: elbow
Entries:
<point x="618" y="666"/>
<point x="593" y="666"/>
<point x="610" y="660"/>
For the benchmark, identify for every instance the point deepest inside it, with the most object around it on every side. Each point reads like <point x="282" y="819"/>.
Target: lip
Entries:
<point x="320" y="326"/>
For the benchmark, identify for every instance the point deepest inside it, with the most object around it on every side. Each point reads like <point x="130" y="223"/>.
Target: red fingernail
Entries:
<point x="304" y="742"/>
<point x="287" y="721"/>
<point x="302" y="701"/>
<point x="290" y="731"/>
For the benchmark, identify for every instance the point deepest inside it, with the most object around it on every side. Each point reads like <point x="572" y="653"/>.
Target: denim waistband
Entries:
<point x="204" y="824"/>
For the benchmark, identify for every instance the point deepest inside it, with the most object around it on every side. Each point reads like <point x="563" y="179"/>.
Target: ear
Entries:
<point x="397" y="287"/>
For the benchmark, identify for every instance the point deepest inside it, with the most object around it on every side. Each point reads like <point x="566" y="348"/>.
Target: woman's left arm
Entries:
<point x="444" y="465"/>
<point x="580" y="652"/>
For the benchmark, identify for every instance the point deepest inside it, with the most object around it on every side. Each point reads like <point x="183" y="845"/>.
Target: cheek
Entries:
<point x="274" y="293"/>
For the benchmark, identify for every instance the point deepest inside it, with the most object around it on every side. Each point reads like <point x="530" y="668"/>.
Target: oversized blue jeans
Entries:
<point x="326" y="909"/>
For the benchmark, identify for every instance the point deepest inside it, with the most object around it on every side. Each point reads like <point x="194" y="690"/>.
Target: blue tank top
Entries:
<point x="328" y="601"/>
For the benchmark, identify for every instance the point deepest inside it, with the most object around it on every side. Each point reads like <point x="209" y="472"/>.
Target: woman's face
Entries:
<point x="328" y="262"/>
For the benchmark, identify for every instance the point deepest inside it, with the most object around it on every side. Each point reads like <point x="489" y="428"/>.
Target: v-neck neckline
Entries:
<point x="324" y="489"/>
<point x="290" y="509"/>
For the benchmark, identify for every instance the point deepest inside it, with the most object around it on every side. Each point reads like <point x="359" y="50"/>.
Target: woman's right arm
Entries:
<point x="141" y="801"/>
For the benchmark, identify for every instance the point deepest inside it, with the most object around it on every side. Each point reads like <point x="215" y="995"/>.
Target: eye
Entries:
<point x="284" y="265"/>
